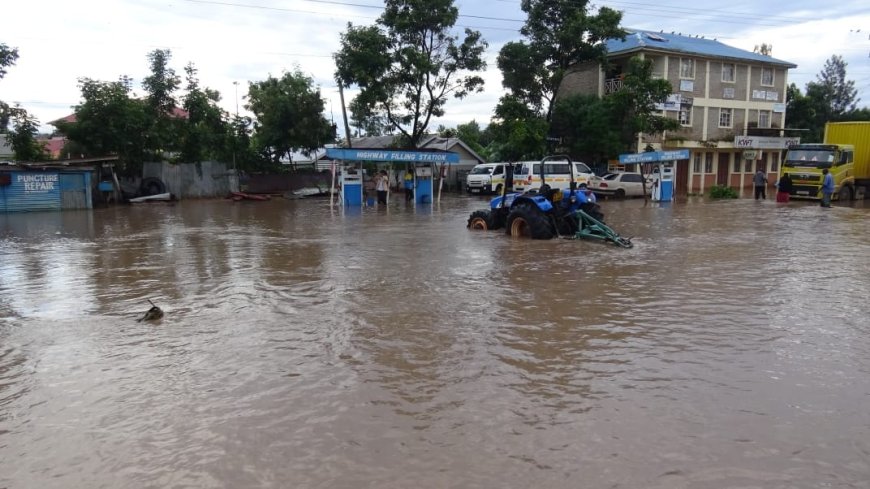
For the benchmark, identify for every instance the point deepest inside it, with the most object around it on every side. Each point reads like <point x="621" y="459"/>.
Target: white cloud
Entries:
<point x="246" y="40"/>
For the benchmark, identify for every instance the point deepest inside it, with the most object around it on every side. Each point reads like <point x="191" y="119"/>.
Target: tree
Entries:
<point x="364" y="121"/>
<point x="160" y="102"/>
<point x="840" y="94"/>
<point x="408" y="64"/>
<point x="560" y="33"/>
<point x="589" y="128"/>
<point x="109" y="121"/>
<point x="801" y="114"/>
<point x="8" y="57"/>
<point x="517" y="132"/>
<point x="289" y="116"/>
<point x="635" y="104"/>
<point x="204" y="133"/>
<point x="22" y="138"/>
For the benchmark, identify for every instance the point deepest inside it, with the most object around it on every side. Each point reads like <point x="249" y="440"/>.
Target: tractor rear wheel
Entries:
<point x="527" y="222"/>
<point x="481" y="220"/>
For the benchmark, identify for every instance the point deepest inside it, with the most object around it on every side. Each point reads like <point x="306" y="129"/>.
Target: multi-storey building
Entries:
<point x="730" y="103"/>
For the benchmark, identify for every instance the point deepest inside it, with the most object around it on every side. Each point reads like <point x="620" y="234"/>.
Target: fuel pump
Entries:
<point x="424" y="184"/>
<point x="351" y="186"/>
<point x="663" y="182"/>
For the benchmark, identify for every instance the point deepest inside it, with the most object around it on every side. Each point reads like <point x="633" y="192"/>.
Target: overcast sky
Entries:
<point x="230" y="41"/>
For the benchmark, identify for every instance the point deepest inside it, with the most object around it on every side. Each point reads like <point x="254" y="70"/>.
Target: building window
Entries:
<point x="767" y="77"/>
<point x="687" y="68"/>
<point x="737" y="158"/>
<point x="696" y="164"/>
<point x="747" y="168"/>
<point x="729" y="72"/>
<point x="685" y="116"/>
<point x="764" y="118"/>
<point x="708" y="163"/>
<point x="724" y="117"/>
<point x="774" y="163"/>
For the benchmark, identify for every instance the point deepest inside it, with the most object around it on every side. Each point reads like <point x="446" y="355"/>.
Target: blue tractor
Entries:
<point x="545" y="213"/>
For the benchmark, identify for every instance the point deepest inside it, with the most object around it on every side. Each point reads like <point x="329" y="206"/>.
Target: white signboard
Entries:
<point x="687" y="86"/>
<point x="764" y="142"/>
<point x="672" y="103"/>
<point x="779" y="108"/>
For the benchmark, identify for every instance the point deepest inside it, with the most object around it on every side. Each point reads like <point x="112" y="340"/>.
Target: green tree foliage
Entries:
<point x="517" y="131"/>
<point x="801" y="113"/>
<point x="205" y="132"/>
<point x="289" y="116"/>
<point x="831" y="97"/>
<point x="471" y="135"/>
<point x="22" y="137"/>
<point x="559" y="33"/>
<point x="8" y="57"/>
<point x="634" y="104"/>
<point x="109" y="121"/>
<point x="841" y="94"/>
<point x="366" y="122"/>
<point x="408" y="64"/>
<point x="160" y="87"/>
<point x="589" y="127"/>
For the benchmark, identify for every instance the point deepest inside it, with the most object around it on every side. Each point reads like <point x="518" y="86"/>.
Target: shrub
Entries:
<point x="722" y="192"/>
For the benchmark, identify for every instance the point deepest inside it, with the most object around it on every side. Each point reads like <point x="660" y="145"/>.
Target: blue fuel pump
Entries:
<point x="351" y="186"/>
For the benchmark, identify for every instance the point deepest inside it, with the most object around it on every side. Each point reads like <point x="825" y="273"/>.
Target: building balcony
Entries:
<point x="612" y="85"/>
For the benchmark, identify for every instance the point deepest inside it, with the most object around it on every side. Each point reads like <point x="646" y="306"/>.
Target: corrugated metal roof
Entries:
<point x="638" y="40"/>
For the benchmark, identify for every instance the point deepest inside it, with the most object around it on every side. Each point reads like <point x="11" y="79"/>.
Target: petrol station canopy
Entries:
<point x="392" y="155"/>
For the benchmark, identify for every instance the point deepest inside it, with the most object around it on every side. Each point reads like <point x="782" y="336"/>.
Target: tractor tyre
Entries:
<point x="480" y="220"/>
<point x="568" y="225"/>
<point x="527" y="222"/>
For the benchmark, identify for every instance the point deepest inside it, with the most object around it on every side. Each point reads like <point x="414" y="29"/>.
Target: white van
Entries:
<point x="527" y="175"/>
<point x="486" y="178"/>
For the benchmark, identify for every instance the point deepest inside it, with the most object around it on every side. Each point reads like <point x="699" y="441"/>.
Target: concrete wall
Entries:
<point x="193" y="180"/>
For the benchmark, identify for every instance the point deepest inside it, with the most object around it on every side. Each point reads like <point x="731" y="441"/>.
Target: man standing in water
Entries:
<point x="760" y="180"/>
<point x="382" y="185"/>
<point x="827" y="187"/>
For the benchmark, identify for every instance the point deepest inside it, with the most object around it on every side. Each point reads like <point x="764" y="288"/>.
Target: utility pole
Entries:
<point x="344" y="114"/>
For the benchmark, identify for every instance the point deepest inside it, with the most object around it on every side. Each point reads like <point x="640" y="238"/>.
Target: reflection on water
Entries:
<point x="307" y="347"/>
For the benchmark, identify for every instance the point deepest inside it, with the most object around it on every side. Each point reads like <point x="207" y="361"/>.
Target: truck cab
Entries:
<point x="804" y="164"/>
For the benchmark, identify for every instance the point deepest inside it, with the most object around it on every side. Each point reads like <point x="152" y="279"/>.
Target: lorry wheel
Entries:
<point x="845" y="194"/>
<point x="481" y="220"/>
<point x="526" y="222"/>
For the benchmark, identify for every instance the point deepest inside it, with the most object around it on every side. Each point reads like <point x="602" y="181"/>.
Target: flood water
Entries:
<point x="304" y="347"/>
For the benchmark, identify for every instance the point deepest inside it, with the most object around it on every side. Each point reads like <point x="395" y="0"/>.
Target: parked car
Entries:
<point x="620" y="184"/>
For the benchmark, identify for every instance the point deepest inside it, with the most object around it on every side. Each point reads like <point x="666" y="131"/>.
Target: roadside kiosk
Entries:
<point x="422" y="164"/>
<point x="663" y="172"/>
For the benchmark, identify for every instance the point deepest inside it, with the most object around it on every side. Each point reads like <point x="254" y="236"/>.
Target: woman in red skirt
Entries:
<point x="784" y="188"/>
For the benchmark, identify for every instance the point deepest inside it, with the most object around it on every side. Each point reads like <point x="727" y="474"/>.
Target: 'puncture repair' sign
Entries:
<point x="38" y="182"/>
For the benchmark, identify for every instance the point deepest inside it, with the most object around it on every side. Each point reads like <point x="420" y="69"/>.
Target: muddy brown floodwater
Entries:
<point x="308" y="348"/>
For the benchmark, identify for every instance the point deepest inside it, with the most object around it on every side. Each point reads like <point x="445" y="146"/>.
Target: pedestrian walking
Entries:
<point x="409" y="185"/>
<point x="760" y="181"/>
<point x="827" y="187"/>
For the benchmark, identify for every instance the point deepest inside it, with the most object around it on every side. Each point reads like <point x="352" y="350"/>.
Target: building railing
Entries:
<point x="612" y="85"/>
